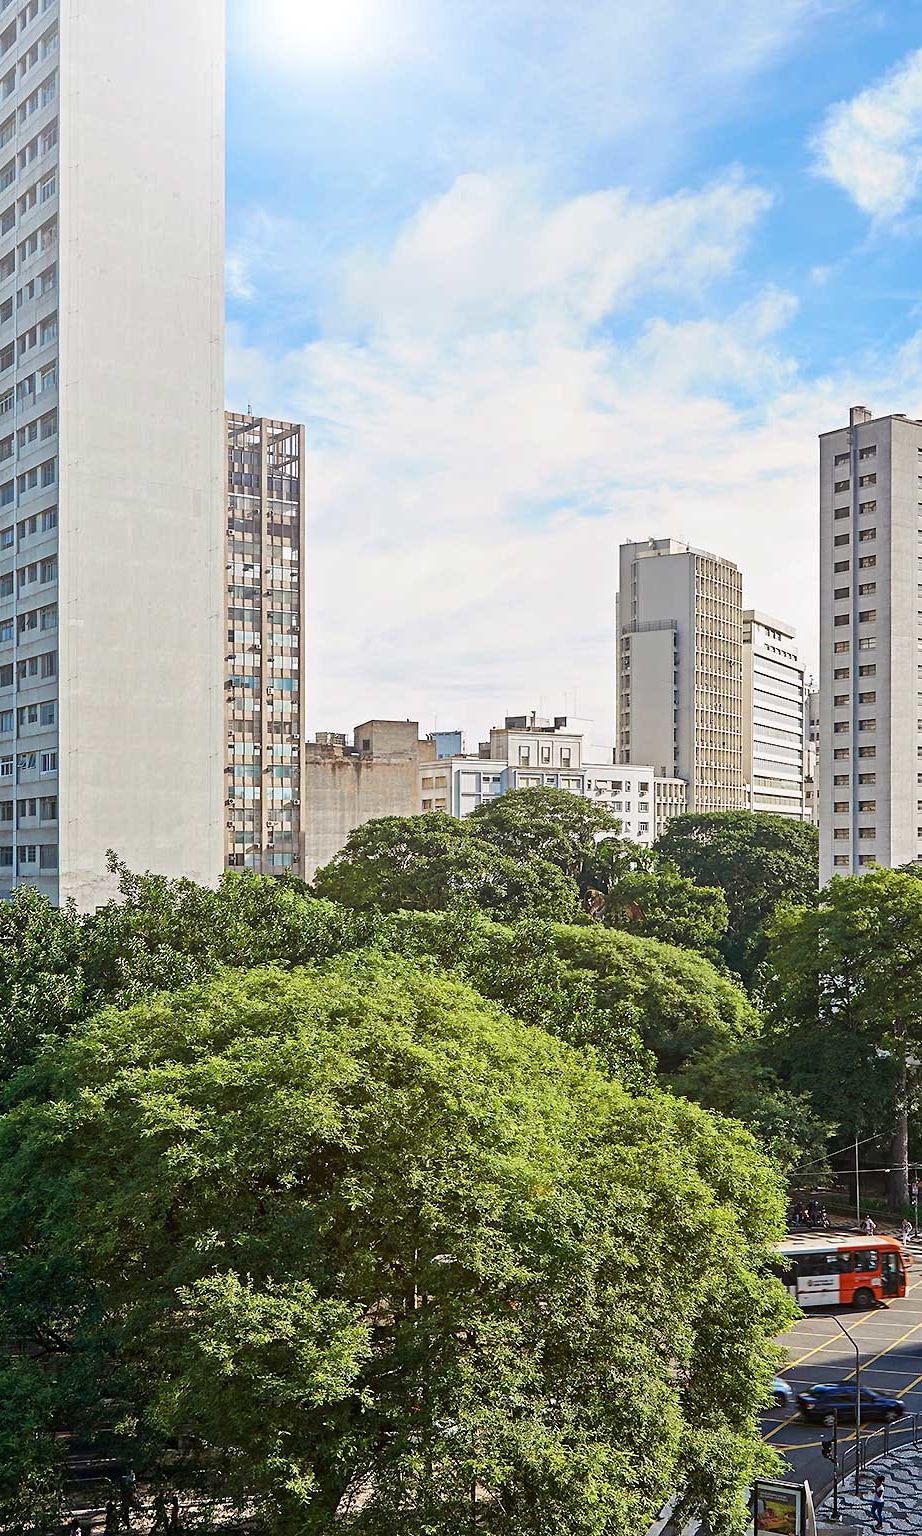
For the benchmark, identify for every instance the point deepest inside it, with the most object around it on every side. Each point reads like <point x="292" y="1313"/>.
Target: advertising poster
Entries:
<point x="779" y="1507"/>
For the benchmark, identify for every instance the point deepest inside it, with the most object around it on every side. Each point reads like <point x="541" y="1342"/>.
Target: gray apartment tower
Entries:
<point x="264" y="679"/>
<point x="679" y="669"/>
<point x="111" y="440"/>
<point x="870" y="758"/>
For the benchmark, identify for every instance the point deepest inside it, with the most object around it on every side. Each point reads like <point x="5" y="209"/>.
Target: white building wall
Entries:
<point x="871" y="644"/>
<point x="141" y="442"/>
<point x="773" y="716"/>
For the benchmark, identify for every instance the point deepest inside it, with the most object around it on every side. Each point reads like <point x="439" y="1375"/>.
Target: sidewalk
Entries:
<point x="902" y="1474"/>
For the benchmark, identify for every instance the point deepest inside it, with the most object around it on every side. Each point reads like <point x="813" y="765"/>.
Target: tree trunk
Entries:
<point x="899" y="1156"/>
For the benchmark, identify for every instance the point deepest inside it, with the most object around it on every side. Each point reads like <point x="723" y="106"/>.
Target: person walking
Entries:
<point x="174" y="1526"/>
<point x="111" y="1526"/>
<point x="877" y="1503"/>
<point x="870" y="1226"/>
<point x="905" y="1232"/>
<point x="128" y="1500"/>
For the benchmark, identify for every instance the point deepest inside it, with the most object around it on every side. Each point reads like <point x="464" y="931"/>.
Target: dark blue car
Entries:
<point x="821" y="1403"/>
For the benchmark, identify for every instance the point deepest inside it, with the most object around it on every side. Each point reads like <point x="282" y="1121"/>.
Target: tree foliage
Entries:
<point x="846" y="999"/>
<point x="372" y="1242"/>
<point x="432" y="862"/>
<point x="551" y="825"/>
<point x="662" y="904"/>
<point x="757" y="860"/>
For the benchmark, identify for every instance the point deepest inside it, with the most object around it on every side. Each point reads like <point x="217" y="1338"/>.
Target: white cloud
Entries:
<point x="477" y="456"/>
<point x="871" y="146"/>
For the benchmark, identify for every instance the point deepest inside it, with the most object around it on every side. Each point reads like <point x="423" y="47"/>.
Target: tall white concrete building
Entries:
<point x="773" y="716"/>
<point x="679" y="669"/>
<point x="111" y="441"/>
<point x="870" y="644"/>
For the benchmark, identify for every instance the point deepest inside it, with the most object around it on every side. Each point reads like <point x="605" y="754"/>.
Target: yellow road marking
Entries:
<point x="833" y="1339"/>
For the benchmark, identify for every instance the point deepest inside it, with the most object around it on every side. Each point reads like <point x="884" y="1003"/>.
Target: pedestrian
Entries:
<point x="870" y="1225"/>
<point x="128" y="1501"/>
<point x="112" y="1521"/>
<point x="905" y="1232"/>
<point x="160" y="1516"/>
<point x="175" y="1527"/>
<point x="877" y="1503"/>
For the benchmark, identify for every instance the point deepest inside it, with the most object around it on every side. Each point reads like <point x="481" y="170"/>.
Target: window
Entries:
<point x="867" y="534"/>
<point x="840" y="806"/>
<point x="841" y="672"/>
<point x="843" y="485"/>
<point x="840" y="458"/>
<point x="867" y="562"/>
<point x="49" y="762"/>
<point x="841" y="778"/>
<point x="840" y="727"/>
<point x="840" y="754"/>
<point x="840" y="647"/>
<point x="867" y="751"/>
<point x="841" y="592"/>
<point x="866" y="588"/>
<point x="867" y="698"/>
<point x="869" y="452"/>
<point x="867" y="479"/>
<point x="841" y="619"/>
<point x="840" y="834"/>
<point x="867" y="725"/>
<point x="840" y="512"/>
<point x="565" y="757"/>
<point x="866" y="859"/>
<point x="867" y="805"/>
<point x="841" y="565"/>
<point x="867" y="778"/>
<point x="867" y="616"/>
<point x="840" y="698"/>
<point x="841" y="538"/>
<point x="839" y="859"/>
<point x="867" y="834"/>
<point x="524" y="757"/>
<point x="869" y="643"/>
<point x="866" y="508"/>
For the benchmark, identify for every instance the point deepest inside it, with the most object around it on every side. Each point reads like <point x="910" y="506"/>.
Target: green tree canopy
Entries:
<point x="552" y="825"/>
<point x="428" y="863"/>
<point x="662" y="904"/>
<point x="757" y="860"/>
<point x="845" y="996"/>
<point x="371" y="1242"/>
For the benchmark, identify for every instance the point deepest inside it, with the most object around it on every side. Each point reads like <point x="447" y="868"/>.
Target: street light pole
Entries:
<point x="857" y="1404"/>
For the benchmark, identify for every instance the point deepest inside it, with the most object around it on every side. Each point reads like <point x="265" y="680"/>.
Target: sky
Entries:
<point x="544" y="275"/>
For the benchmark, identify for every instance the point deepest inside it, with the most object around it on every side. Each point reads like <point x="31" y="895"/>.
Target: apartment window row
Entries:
<point x="38" y="146"/>
<point x="45" y="855"/>
<point x="42" y="763"/>
<point x="40" y="240"/>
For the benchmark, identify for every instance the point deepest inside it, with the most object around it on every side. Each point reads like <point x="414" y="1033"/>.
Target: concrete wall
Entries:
<point x="342" y="793"/>
<point x="141" y="394"/>
<point x="652" y="662"/>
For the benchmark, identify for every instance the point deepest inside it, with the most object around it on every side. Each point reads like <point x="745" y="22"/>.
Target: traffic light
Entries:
<point x="828" y="1448"/>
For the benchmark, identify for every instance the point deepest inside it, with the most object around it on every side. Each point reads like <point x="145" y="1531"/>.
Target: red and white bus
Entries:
<point x="843" y="1271"/>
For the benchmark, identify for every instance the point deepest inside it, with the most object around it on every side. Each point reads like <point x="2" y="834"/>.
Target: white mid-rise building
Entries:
<point x="870" y="758"/>
<point x="528" y="753"/>
<point x="679" y="669"/>
<point x="773" y="716"/>
<point x="111" y="441"/>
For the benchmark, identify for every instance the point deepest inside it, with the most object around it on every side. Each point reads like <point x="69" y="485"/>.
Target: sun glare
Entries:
<point x="319" y="31"/>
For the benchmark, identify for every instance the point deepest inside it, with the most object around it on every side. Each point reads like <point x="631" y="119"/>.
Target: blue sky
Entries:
<point x="541" y="275"/>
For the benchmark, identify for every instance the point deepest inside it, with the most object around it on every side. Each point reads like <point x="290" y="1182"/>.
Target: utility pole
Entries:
<point x="857" y="1405"/>
<point x="857" y="1185"/>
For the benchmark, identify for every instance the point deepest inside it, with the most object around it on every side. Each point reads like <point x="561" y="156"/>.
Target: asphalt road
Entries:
<point x="890" y="1341"/>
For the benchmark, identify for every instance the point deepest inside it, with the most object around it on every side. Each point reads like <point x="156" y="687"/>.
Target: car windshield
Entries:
<point x="844" y="1392"/>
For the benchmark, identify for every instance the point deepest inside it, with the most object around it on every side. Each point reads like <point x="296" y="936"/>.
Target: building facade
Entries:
<point x="264" y="659"/>
<point x="679" y="669"/>
<point x="773" y="716"/>
<point x="811" y="756"/>
<point x="111" y="416"/>
<point x="345" y="784"/>
<point x="870" y="755"/>
<point x="528" y="753"/>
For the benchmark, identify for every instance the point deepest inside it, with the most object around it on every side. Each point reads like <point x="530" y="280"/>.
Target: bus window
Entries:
<point x="866" y="1260"/>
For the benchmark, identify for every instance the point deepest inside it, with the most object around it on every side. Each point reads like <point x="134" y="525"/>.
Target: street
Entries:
<point x="890" y="1341"/>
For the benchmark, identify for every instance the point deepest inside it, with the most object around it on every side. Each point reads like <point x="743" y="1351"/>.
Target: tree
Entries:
<point x="679" y="1003"/>
<point x="42" y="983"/>
<point x="373" y="1243"/>
<point x="846" y="1000"/>
<point x="757" y="860"/>
<point x="429" y="863"/>
<point x="552" y="825"/>
<point x="662" y="904"/>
